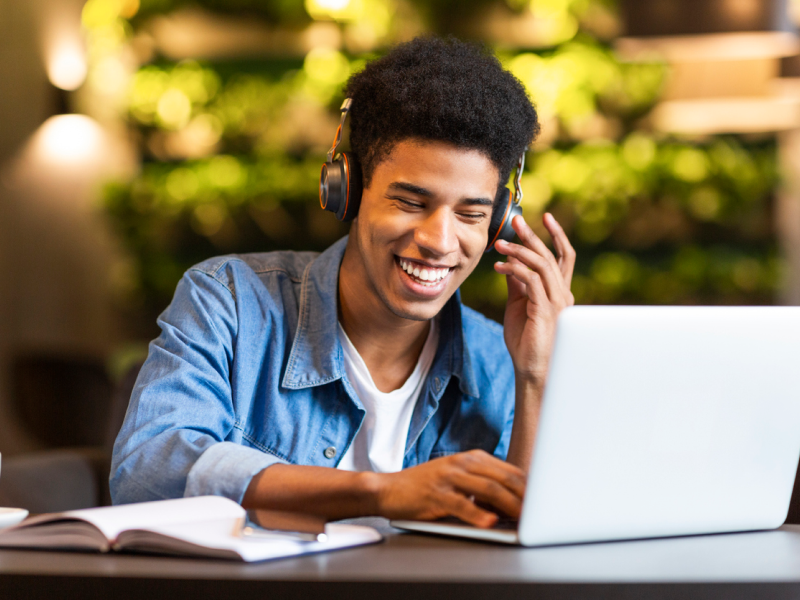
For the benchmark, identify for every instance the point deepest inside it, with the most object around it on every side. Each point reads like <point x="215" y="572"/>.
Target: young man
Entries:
<point x="354" y="382"/>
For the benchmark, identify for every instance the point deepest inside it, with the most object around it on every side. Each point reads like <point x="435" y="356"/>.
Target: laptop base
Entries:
<point x="501" y="536"/>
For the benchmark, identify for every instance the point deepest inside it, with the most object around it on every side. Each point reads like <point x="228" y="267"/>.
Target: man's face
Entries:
<point x="423" y="225"/>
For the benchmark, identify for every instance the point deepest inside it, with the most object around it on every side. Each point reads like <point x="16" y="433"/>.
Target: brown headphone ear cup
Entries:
<point x="330" y="187"/>
<point x="340" y="186"/>
<point x="353" y="188"/>
<point x="502" y="215"/>
<point x="324" y="187"/>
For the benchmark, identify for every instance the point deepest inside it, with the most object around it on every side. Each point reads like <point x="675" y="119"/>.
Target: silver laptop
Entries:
<point x="661" y="421"/>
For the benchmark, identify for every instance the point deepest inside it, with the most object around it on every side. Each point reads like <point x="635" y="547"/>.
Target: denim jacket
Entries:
<point x="248" y="372"/>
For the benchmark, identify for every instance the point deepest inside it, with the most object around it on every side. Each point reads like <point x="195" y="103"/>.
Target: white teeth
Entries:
<point x="427" y="277"/>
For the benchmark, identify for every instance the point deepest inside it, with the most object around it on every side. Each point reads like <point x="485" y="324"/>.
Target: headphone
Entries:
<point x="340" y="187"/>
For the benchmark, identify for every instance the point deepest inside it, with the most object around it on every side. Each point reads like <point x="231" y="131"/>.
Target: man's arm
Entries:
<point x="171" y="443"/>
<point x="538" y="290"/>
<point x="441" y="487"/>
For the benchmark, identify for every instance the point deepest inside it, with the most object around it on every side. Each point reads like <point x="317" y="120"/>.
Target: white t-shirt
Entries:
<point x="380" y="443"/>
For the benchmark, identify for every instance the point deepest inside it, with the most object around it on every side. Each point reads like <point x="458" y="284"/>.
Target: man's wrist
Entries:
<point x="529" y="390"/>
<point x="529" y="383"/>
<point x="369" y="486"/>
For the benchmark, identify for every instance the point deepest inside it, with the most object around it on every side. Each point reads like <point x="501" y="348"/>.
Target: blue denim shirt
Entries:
<point x="248" y="372"/>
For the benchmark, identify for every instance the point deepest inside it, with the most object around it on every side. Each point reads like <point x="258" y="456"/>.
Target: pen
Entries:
<point x="283" y="524"/>
<point x="253" y="533"/>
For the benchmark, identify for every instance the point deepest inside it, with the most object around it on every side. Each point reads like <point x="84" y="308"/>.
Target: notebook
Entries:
<point x="203" y="526"/>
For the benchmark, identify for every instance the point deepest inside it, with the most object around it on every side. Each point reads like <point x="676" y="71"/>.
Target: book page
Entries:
<point x="55" y="533"/>
<point x="112" y="520"/>
<point x="216" y="539"/>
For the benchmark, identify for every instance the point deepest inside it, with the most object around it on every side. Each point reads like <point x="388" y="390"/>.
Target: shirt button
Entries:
<point x="330" y="452"/>
<point x="437" y="384"/>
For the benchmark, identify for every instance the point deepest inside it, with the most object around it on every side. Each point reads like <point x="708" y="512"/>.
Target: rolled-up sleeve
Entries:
<point x="225" y="469"/>
<point x="173" y="440"/>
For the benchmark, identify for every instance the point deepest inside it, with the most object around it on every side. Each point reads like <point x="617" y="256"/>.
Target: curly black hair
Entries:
<point x="441" y="90"/>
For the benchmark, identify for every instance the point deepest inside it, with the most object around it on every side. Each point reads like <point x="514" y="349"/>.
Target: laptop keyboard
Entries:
<point x="503" y="523"/>
<point x="507" y="524"/>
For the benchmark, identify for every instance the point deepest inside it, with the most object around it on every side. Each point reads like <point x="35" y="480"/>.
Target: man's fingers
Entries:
<point x="552" y="270"/>
<point x="549" y="272"/>
<point x="483" y="464"/>
<point x="566" y="253"/>
<point x="534" y="242"/>
<point x="488" y="491"/>
<point x="459" y="506"/>
<point x="534" y="287"/>
<point x="516" y="288"/>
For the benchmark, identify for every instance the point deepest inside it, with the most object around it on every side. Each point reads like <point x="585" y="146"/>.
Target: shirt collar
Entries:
<point x="316" y="354"/>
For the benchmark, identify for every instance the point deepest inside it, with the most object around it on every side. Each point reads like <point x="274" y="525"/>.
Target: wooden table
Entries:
<point x="759" y="565"/>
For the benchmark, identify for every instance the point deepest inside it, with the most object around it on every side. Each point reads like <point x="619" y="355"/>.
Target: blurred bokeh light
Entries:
<point x="231" y="105"/>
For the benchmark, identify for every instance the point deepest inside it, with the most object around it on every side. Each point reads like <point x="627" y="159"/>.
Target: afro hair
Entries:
<point x="440" y="90"/>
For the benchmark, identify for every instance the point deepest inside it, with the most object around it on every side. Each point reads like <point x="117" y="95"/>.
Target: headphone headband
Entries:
<point x="337" y="139"/>
<point x="518" y="178"/>
<point x="340" y="187"/>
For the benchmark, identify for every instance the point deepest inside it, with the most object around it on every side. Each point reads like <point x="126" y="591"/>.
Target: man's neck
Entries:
<point x="389" y="345"/>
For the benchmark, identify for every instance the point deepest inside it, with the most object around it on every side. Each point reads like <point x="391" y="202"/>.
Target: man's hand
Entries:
<point x="447" y="487"/>
<point x="538" y="290"/>
<point x="439" y="488"/>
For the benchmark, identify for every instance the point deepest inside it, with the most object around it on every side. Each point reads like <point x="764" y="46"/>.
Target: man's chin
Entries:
<point x="417" y="311"/>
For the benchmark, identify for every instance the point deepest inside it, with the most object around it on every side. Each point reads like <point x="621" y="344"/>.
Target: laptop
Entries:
<point x="660" y="421"/>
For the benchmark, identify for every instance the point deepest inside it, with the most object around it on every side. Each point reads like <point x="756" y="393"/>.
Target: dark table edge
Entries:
<point x="32" y="587"/>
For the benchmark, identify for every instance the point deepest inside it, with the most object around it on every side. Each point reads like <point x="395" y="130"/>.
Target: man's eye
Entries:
<point x="473" y="216"/>
<point x="408" y="203"/>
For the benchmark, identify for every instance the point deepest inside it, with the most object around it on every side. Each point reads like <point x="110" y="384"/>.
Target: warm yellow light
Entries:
<point x="333" y="5"/>
<point x="327" y="66"/>
<point x="174" y="109"/>
<point x="690" y="165"/>
<point x="639" y="151"/>
<point x="66" y="66"/>
<point x="727" y="115"/>
<point x="225" y="172"/>
<point x="129" y="8"/>
<point x="99" y="13"/>
<point x="331" y="9"/>
<point x="198" y="139"/>
<point x="748" y="45"/>
<point x="110" y="76"/>
<point x="182" y="184"/>
<point x="794" y="11"/>
<point x="69" y="139"/>
<point x="536" y="192"/>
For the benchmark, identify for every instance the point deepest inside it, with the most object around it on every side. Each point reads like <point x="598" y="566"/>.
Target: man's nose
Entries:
<point x="437" y="233"/>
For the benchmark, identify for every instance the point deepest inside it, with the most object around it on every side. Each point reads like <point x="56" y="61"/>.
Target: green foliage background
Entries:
<point x="231" y="153"/>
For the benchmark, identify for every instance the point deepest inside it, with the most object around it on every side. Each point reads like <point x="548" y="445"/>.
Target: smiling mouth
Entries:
<point x="425" y="276"/>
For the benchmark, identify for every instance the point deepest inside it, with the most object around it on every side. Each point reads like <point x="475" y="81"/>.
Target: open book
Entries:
<point x="205" y="526"/>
